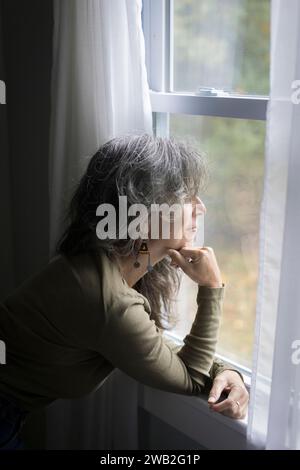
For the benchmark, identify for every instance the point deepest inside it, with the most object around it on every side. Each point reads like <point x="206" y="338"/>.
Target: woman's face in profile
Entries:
<point x="183" y="225"/>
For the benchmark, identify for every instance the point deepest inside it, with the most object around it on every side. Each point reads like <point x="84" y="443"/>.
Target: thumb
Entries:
<point x="176" y="257"/>
<point x="215" y="391"/>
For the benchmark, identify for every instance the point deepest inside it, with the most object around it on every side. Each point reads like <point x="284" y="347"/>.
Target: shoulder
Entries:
<point x="103" y="284"/>
<point x="54" y="301"/>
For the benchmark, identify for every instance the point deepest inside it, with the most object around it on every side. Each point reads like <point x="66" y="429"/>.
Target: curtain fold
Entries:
<point x="274" y="420"/>
<point x="99" y="90"/>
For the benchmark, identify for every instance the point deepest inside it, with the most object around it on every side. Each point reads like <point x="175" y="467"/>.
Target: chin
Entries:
<point x="177" y="244"/>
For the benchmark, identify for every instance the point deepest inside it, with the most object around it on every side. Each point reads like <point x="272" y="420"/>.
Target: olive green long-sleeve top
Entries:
<point x="69" y="325"/>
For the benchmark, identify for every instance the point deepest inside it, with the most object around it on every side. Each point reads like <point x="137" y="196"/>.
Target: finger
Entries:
<point x="192" y="252"/>
<point x="234" y="411"/>
<point x="226" y="391"/>
<point x="177" y="258"/>
<point x="230" y="403"/>
<point x="216" y="390"/>
<point x="238" y="414"/>
<point x="234" y="395"/>
<point x="194" y="255"/>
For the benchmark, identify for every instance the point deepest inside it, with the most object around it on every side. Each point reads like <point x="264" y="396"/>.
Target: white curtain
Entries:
<point x="274" y="415"/>
<point x="99" y="87"/>
<point x="99" y="90"/>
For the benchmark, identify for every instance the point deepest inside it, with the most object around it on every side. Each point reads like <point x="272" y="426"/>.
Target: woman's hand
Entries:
<point x="199" y="264"/>
<point x="236" y="403"/>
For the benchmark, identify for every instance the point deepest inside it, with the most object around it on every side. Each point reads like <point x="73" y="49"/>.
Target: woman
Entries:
<point x="104" y="301"/>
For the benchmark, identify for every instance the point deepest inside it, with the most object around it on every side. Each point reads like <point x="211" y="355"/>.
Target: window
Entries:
<point x="208" y="70"/>
<point x="221" y="44"/>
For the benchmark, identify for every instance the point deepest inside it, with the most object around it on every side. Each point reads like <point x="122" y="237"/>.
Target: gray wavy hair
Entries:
<point x="148" y="170"/>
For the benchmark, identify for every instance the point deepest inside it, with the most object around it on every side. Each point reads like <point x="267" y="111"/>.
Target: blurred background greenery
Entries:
<point x="222" y="43"/>
<point x="225" y="44"/>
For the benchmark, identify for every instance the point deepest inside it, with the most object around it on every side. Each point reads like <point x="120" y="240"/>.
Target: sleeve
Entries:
<point x="132" y="342"/>
<point x="218" y="364"/>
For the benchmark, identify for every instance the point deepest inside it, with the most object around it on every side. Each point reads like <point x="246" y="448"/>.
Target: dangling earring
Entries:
<point x="143" y="251"/>
<point x="136" y="264"/>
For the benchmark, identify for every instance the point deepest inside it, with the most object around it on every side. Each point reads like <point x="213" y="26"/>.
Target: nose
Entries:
<point x="200" y="206"/>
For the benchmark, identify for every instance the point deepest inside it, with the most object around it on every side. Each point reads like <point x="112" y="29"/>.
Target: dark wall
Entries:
<point x="25" y="65"/>
<point x="27" y="56"/>
<point x="6" y="246"/>
<point x="155" y="434"/>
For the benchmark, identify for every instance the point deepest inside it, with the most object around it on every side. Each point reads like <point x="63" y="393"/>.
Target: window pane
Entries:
<point x="222" y="44"/>
<point x="234" y="150"/>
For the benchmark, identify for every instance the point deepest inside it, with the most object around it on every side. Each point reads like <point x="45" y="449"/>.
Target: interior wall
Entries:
<point x="155" y="434"/>
<point x="6" y="265"/>
<point x="27" y="56"/>
<point x="25" y="65"/>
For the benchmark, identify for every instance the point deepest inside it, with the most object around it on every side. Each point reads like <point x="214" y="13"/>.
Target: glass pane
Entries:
<point x="234" y="149"/>
<point x="222" y="44"/>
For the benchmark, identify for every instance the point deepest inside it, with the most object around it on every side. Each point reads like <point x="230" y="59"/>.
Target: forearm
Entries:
<point x="199" y="346"/>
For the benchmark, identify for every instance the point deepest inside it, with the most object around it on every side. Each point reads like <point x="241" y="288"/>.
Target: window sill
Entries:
<point x="200" y="403"/>
<point x="192" y="416"/>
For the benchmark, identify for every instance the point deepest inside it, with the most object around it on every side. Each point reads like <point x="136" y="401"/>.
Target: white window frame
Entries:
<point x="157" y="18"/>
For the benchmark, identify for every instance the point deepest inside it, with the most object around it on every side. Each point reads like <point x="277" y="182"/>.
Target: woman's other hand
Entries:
<point x="199" y="264"/>
<point x="236" y="403"/>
